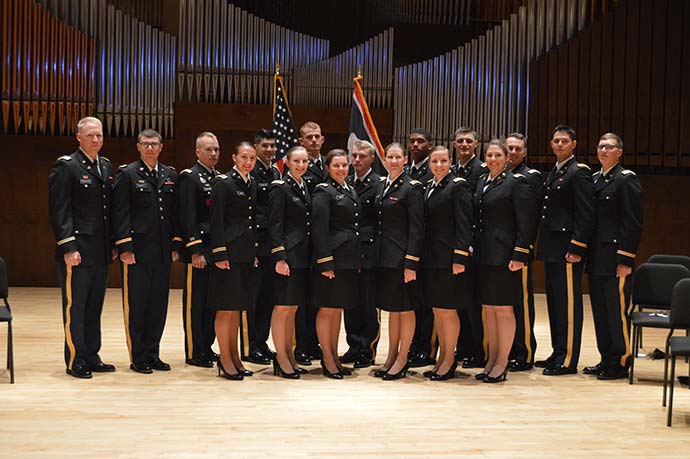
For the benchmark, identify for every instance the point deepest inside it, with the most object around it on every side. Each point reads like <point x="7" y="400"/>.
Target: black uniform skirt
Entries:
<point x="231" y="289"/>
<point x="498" y="285"/>
<point x="291" y="290"/>
<point x="442" y="289"/>
<point x="339" y="292"/>
<point x="393" y="294"/>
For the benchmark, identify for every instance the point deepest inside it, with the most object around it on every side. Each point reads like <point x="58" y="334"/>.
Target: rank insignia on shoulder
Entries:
<point x="322" y="185"/>
<point x="104" y="158"/>
<point x="533" y="171"/>
<point x="278" y="182"/>
<point x="583" y="166"/>
<point x="382" y="179"/>
<point x="122" y="166"/>
<point x="65" y="158"/>
<point x="186" y="171"/>
<point x="222" y="176"/>
<point x="627" y="172"/>
<point x="415" y="182"/>
<point x="459" y="179"/>
<point x="517" y="174"/>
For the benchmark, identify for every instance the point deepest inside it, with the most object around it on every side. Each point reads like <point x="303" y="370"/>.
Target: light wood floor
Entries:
<point x="191" y="413"/>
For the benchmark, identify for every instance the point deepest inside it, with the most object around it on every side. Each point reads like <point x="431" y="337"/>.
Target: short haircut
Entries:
<point x="421" y="131"/>
<point x="243" y="144"/>
<point x="263" y="134"/>
<point x="465" y="130"/>
<point x="88" y="120"/>
<point x="393" y="145"/>
<point x="294" y="149"/>
<point x="308" y="125"/>
<point x="564" y="128"/>
<point x="612" y="136"/>
<point x="498" y="143"/>
<point x="519" y="136"/>
<point x="149" y="133"/>
<point x="440" y="148"/>
<point x="364" y="145"/>
<point x="204" y="134"/>
<point x="335" y="153"/>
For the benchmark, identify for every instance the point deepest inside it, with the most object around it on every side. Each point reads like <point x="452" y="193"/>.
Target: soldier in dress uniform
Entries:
<point x="471" y="341"/>
<point x="611" y="257"/>
<point x="362" y="323"/>
<point x="307" y="347"/>
<point x="193" y="205"/>
<point x="566" y="228"/>
<point x="255" y="323"/>
<point x="525" y="345"/>
<point x="425" y="342"/>
<point x="79" y="197"/>
<point x="145" y="231"/>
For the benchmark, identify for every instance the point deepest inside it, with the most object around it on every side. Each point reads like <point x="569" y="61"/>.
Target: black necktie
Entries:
<point x="431" y="190"/>
<point x="154" y="175"/>
<point x="97" y="168"/>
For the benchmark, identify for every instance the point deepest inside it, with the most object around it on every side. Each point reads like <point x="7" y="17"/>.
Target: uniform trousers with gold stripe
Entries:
<point x="610" y="297"/>
<point x="363" y="323"/>
<point x="83" y="292"/>
<point x="564" y="302"/>
<point x="255" y="322"/>
<point x="524" y="344"/>
<point x="145" y="290"/>
<point x="197" y="319"/>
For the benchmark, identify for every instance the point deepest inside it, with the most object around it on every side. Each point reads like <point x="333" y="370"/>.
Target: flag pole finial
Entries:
<point x="277" y="68"/>
<point x="359" y="71"/>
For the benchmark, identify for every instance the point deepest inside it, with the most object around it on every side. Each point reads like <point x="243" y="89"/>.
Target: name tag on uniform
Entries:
<point x="393" y="198"/>
<point x="240" y="193"/>
<point x="85" y="180"/>
<point x="207" y="187"/>
<point x="168" y="182"/>
<point x="339" y="197"/>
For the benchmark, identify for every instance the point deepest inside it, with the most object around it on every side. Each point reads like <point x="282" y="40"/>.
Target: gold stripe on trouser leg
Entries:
<point x="624" y="321"/>
<point x="485" y="342"/>
<point x="68" y="318"/>
<point x="432" y="343"/>
<point x="525" y="312"/>
<point x="571" y="312"/>
<point x="245" y="333"/>
<point x="125" y="303"/>
<point x="188" y="313"/>
<point x="373" y="344"/>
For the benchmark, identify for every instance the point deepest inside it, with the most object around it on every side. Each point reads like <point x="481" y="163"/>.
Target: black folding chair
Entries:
<point x="677" y="345"/>
<point x="6" y="316"/>
<point x="652" y="289"/>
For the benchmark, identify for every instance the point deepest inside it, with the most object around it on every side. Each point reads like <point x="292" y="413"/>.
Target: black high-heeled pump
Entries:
<point x="300" y="371"/>
<point x="502" y="377"/>
<point x="481" y="376"/>
<point x="226" y="375"/>
<point x="328" y="374"/>
<point x="245" y="372"/>
<point x="399" y="375"/>
<point x="278" y="371"/>
<point x="344" y="370"/>
<point x="429" y="373"/>
<point x="379" y="373"/>
<point x="448" y="375"/>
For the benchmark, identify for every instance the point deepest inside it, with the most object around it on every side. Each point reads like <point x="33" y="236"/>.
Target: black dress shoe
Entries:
<point x="328" y="374"/>
<point x="428" y="373"/>
<point x="257" y="356"/>
<point x="246" y="373"/>
<point x="481" y="376"/>
<point x="594" y="370"/>
<point x="350" y="356"/>
<point x="450" y="374"/>
<point x="559" y="370"/>
<point x="159" y="365"/>
<point x="80" y="372"/>
<point x="266" y="350"/>
<point x="199" y="362"/>
<point x="302" y="358"/>
<point x="300" y="371"/>
<point x="212" y="356"/>
<point x="473" y="362"/>
<point x="496" y="379"/>
<point x="363" y="361"/>
<point x="143" y="368"/>
<point x="519" y="365"/>
<point x="421" y="360"/>
<point x="548" y="362"/>
<point x="379" y="373"/>
<point x="101" y="367"/>
<point x="609" y="374"/>
<point x="315" y="353"/>
<point x="684" y="380"/>
<point x="399" y="375"/>
<point x="232" y="377"/>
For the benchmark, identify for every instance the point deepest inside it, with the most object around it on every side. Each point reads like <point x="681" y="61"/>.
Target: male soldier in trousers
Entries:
<point x="193" y="206"/>
<point x="79" y="195"/>
<point x="566" y="228"/>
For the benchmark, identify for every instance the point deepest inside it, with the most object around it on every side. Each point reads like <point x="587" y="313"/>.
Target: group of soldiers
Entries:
<point x="98" y="215"/>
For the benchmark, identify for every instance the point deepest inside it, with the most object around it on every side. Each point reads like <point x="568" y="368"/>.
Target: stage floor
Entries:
<point x="191" y="413"/>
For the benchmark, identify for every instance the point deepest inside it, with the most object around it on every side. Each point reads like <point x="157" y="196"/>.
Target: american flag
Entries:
<point x="283" y="126"/>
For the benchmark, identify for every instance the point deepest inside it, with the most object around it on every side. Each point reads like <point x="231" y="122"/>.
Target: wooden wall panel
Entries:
<point x="684" y="145"/>
<point x="563" y="77"/>
<point x="573" y="92"/>
<point x="658" y="80"/>
<point x="533" y="117"/>
<point x="632" y="28"/>
<point x="552" y="102"/>
<point x="644" y="83"/>
<point x="618" y="69"/>
<point x="674" y="50"/>
<point x="584" y="65"/>
<point x="545" y="125"/>
<point x="606" y="74"/>
<point x="595" y="91"/>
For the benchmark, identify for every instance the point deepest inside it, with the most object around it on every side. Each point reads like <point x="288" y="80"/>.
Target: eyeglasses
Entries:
<point x="467" y="141"/>
<point x="150" y="144"/>
<point x="607" y="147"/>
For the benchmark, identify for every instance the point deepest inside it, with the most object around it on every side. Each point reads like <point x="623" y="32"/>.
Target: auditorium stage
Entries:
<point x="191" y="413"/>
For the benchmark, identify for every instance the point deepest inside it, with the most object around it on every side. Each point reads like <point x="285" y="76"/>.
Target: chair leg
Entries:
<point x="10" y="352"/>
<point x="670" y="395"/>
<point x="632" y="361"/>
<point x="668" y="338"/>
